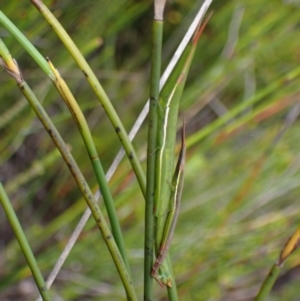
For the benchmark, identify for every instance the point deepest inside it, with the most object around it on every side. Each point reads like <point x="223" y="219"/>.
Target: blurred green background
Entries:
<point x="241" y="196"/>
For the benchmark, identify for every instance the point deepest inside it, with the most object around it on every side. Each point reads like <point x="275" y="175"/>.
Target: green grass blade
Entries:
<point x="85" y="132"/>
<point x="34" y="53"/>
<point x="18" y="230"/>
<point x="268" y="283"/>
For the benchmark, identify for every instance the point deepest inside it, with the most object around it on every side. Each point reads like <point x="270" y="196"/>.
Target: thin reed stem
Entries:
<point x="268" y="283"/>
<point x="157" y="34"/>
<point x="20" y="235"/>
<point x="85" y="132"/>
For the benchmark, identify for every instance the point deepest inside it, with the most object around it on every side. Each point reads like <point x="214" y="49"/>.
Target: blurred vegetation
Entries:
<point x="240" y="200"/>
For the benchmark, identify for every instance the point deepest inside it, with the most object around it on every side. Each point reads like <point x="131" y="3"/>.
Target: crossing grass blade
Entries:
<point x="85" y="132"/>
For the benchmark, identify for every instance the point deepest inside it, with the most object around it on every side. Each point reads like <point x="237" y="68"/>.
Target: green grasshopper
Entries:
<point x="176" y="188"/>
<point x="169" y="184"/>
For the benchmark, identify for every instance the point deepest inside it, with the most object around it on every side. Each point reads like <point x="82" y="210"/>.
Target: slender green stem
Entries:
<point x="268" y="283"/>
<point x="151" y="155"/>
<point x="11" y="67"/>
<point x="290" y="246"/>
<point x="85" y="132"/>
<point x="98" y="89"/>
<point x="17" y="228"/>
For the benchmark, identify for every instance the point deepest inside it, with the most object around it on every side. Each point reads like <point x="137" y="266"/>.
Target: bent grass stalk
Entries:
<point x="11" y="67"/>
<point x="98" y="89"/>
<point x="85" y="132"/>
<point x="20" y="235"/>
